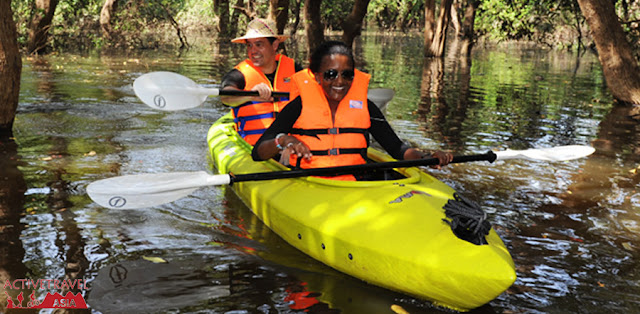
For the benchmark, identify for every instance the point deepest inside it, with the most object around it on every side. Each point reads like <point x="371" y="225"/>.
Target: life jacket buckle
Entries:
<point x="333" y="151"/>
<point x="333" y="131"/>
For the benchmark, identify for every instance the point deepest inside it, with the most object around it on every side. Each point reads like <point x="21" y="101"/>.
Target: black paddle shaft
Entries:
<point x="228" y="92"/>
<point x="336" y="171"/>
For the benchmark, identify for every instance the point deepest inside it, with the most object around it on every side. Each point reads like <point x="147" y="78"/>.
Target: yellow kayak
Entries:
<point x="394" y="234"/>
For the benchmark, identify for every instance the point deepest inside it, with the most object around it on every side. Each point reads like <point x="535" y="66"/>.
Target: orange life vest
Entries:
<point x="253" y="118"/>
<point x="340" y="143"/>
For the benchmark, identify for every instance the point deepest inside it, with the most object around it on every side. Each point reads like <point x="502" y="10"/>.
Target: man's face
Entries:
<point x="261" y="52"/>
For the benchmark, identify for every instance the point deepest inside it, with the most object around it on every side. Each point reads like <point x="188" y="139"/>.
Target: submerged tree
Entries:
<point x="468" y="32"/>
<point x="352" y="25"/>
<point x="619" y="66"/>
<point x="10" y="69"/>
<point x="108" y="9"/>
<point x="435" y="31"/>
<point x="40" y="25"/>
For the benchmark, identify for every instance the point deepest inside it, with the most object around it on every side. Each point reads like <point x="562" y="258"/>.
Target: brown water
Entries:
<point x="573" y="228"/>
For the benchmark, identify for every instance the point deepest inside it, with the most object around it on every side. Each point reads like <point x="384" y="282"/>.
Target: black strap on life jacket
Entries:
<point x="334" y="151"/>
<point x="339" y="151"/>
<point x="316" y="132"/>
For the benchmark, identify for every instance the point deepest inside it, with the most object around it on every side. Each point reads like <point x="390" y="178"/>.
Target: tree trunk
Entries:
<point x="39" y="26"/>
<point x="296" y="13"/>
<point x="235" y="18"/>
<point x="619" y="66"/>
<point x="429" y="25"/>
<point x="455" y="20"/>
<point x="352" y="25"/>
<point x="108" y="9"/>
<point x="436" y="49"/>
<point x="221" y="11"/>
<point x="10" y="69"/>
<point x="312" y="25"/>
<point x="279" y="12"/>
<point x="467" y="27"/>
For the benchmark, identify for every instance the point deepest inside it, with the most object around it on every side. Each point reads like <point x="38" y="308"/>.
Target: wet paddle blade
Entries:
<point x="151" y="189"/>
<point x="381" y="96"/>
<point x="170" y="91"/>
<point x="559" y="153"/>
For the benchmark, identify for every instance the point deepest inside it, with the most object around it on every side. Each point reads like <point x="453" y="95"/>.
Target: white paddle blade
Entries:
<point x="170" y="91"/>
<point x="152" y="189"/>
<point x="559" y="153"/>
<point x="381" y="96"/>
<point x="135" y="201"/>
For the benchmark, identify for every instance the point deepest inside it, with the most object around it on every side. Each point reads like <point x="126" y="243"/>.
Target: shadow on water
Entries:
<point x="573" y="228"/>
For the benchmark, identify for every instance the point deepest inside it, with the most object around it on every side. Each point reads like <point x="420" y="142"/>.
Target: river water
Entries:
<point x="573" y="228"/>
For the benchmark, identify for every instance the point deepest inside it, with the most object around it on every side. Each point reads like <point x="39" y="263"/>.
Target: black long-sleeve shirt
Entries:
<point x="379" y="129"/>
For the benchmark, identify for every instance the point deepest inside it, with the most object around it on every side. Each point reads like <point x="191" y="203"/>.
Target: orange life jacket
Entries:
<point x="253" y="118"/>
<point x="340" y="143"/>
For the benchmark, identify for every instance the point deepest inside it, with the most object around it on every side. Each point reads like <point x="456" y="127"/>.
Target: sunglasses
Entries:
<point x="332" y="74"/>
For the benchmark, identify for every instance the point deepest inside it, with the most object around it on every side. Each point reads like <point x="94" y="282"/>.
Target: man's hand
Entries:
<point x="265" y="92"/>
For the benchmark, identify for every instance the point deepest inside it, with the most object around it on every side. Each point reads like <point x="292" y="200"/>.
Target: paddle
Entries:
<point x="147" y="190"/>
<point x="381" y="96"/>
<point x="170" y="91"/>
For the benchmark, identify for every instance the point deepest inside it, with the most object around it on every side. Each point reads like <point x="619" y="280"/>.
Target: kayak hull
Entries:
<point x="387" y="233"/>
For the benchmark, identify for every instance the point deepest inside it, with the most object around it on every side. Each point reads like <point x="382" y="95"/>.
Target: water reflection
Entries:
<point x="12" y="252"/>
<point x="181" y="283"/>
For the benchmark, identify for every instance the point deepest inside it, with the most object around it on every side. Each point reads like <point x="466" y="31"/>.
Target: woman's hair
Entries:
<point x="328" y="48"/>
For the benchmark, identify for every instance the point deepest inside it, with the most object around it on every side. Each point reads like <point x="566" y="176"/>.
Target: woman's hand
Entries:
<point x="444" y="158"/>
<point x="294" y="146"/>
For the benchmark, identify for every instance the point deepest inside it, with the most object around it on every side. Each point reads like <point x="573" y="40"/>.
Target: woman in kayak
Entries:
<point x="328" y="122"/>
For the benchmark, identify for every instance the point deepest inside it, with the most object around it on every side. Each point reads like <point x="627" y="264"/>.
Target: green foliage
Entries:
<point x="386" y="14"/>
<point x="22" y="13"/>
<point x="75" y="25"/>
<point x="628" y="17"/>
<point x="524" y="19"/>
<point x="506" y="19"/>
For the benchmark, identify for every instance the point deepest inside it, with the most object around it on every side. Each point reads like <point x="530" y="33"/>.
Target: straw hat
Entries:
<point x="260" y="28"/>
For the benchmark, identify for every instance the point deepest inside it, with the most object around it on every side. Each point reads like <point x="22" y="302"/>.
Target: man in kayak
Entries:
<point x="328" y="122"/>
<point x="264" y="71"/>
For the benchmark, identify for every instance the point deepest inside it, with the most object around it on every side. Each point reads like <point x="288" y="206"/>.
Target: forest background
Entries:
<point x="611" y="28"/>
<point x="168" y="24"/>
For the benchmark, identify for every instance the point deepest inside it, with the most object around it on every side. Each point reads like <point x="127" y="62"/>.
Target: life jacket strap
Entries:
<point x="339" y="151"/>
<point x="333" y="131"/>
